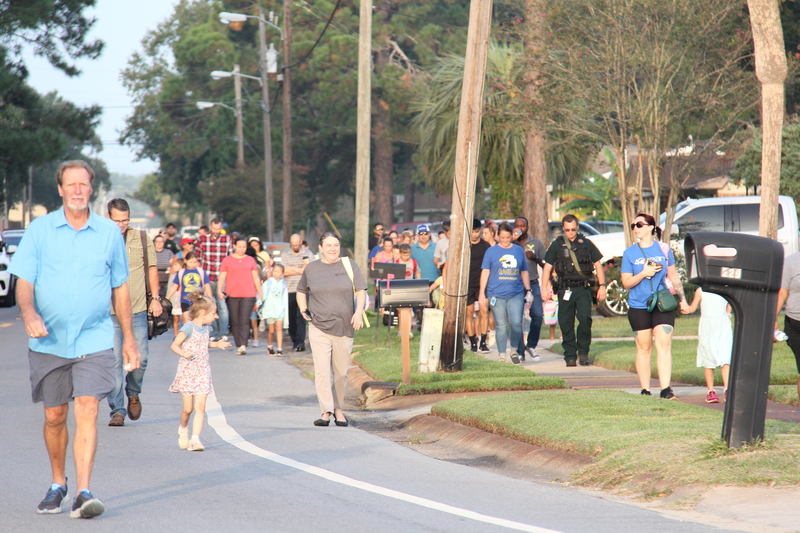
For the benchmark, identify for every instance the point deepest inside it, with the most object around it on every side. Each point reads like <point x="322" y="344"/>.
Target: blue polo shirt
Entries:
<point x="73" y="273"/>
<point x="424" y="258"/>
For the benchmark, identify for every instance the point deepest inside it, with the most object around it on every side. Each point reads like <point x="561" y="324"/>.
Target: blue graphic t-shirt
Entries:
<point x="505" y="267"/>
<point x="633" y="263"/>
<point x="193" y="280"/>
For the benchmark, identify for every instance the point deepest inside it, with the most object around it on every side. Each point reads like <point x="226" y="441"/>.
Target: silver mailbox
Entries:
<point x="403" y="292"/>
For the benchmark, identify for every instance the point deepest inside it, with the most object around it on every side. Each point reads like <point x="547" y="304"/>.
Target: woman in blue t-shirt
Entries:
<point x="645" y="267"/>
<point x="505" y="282"/>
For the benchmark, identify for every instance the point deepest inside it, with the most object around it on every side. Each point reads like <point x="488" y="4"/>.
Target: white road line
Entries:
<point x="217" y="420"/>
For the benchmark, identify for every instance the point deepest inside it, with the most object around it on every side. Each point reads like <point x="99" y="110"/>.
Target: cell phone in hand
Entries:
<point x="307" y="315"/>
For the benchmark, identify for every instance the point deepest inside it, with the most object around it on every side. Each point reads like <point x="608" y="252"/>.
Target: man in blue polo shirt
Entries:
<point x="423" y="252"/>
<point x="65" y="305"/>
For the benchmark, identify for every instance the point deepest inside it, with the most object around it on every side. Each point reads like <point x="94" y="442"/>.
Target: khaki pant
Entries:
<point x="330" y="353"/>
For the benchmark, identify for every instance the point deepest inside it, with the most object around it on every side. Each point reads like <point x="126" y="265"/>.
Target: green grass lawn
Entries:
<point x="619" y="327"/>
<point x="383" y="362"/>
<point x="638" y="442"/>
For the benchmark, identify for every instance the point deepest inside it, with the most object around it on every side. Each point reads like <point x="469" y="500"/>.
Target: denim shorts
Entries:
<point x="57" y="380"/>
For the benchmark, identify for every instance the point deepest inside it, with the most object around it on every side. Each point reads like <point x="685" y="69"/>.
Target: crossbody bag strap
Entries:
<point x="348" y="267"/>
<point x="146" y="267"/>
<point x="575" y="261"/>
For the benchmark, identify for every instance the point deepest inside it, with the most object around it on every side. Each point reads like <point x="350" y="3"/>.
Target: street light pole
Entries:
<point x="237" y="91"/>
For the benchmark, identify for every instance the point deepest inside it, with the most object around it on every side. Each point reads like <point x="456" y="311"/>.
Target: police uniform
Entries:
<point x="579" y="301"/>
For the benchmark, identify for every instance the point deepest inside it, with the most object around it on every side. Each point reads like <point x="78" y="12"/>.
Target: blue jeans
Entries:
<point x="133" y="381"/>
<point x="537" y="317"/>
<point x="507" y="313"/>
<point x="219" y="328"/>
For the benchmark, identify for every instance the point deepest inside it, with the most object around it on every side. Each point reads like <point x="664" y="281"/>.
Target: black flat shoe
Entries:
<point x="321" y="422"/>
<point x="342" y="423"/>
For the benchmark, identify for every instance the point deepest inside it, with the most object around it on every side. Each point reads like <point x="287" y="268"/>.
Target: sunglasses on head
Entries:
<point x="639" y="224"/>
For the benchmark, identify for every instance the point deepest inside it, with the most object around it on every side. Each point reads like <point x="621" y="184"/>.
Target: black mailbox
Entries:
<point x="403" y="292"/>
<point x="746" y="270"/>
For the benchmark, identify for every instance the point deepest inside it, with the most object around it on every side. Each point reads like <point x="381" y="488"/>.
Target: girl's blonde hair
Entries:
<point x="200" y="304"/>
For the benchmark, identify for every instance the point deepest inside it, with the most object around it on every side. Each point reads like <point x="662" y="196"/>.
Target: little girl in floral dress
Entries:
<point x="193" y="379"/>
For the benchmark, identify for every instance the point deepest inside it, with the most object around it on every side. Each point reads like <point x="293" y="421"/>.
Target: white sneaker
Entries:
<point x="195" y="445"/>
<point x="262" y="326"/>
<point x="531" y="352"/>
<point x="490" y="338"/>
<point x="183" y="438"/>
<point x="255" y="343"/>
<point x="241" y="351"/>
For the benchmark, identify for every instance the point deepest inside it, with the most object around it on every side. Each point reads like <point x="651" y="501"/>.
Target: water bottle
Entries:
<point x="780" y="336"/>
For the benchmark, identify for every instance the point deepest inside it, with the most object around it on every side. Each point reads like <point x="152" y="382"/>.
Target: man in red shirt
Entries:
<point x="212" y="248"/>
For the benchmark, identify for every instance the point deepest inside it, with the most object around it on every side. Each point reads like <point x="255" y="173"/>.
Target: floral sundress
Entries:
<point x="194" y="373"/>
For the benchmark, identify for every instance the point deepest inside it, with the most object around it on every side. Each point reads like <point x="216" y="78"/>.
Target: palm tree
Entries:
<point x="505" y="120"/>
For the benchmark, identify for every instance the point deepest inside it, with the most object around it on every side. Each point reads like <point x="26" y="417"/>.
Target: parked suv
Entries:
<point x="7" y="281"/>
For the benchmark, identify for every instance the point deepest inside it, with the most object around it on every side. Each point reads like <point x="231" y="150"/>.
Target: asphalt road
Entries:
<point x="267" y="468"/>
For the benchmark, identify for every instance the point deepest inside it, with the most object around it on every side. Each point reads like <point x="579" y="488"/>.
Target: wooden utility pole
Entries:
<point x="467" y="151"/>
<point x="262" y="61"/>
<point x="287" y="119"/>
<point x="363" y="133"/>
<point x="237" y="91"/>
<point x="771" y="70"/>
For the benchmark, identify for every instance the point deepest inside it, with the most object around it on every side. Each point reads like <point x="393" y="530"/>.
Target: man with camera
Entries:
<point x="576" y="262"/>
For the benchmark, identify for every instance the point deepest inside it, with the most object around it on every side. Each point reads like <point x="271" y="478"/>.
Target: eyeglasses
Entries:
<point x="122" y="222"/>
<point x="639" y="224"/>
<point x="423" y="233"/>
<point x="378" y="229"/>
<point x="570" y="230"/>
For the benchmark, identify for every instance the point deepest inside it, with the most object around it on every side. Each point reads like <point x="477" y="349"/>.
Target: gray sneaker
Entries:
<point x="514" y="358"/>
<point x="53" y="500"/>
<point x="86" y="506"/>
<point x="531" y="352"/>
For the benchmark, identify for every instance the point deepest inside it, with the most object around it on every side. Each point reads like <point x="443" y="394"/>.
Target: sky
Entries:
<point x="121" y="24"/>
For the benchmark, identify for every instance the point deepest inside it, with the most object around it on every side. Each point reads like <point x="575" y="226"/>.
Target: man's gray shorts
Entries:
<point x="57" y="380"/>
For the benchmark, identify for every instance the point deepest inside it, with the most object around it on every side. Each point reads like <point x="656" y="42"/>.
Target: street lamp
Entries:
<point x="227" y="17"/>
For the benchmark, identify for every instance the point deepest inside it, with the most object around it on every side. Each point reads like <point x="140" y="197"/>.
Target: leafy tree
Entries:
<point x="650" y="73"/>
<point x="40" y="129"/>
<point x="747" y="169"/>
<point x="503" y="131"/>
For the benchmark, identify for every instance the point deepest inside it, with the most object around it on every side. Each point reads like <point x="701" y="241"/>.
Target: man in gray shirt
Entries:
<point x="534" y="252"/>
<point x="294" y="262"/>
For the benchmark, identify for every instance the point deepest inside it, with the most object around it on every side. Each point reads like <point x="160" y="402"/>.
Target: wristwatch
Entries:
<point x="155" y="297"/>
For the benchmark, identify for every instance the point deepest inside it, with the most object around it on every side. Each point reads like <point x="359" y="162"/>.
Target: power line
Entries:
<point x="302" y="59"/>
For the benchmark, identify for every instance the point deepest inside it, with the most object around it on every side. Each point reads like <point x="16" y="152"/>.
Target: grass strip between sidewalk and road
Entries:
<point x="641" y="445"/>
<point x="383" y="363"/>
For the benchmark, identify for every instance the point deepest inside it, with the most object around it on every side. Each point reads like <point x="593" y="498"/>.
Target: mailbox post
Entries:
<point x="403" y="294"/>
<point x="746" y="271"/>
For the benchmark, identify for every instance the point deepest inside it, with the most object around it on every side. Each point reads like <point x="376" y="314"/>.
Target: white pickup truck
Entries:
<point x="737" y="214"/>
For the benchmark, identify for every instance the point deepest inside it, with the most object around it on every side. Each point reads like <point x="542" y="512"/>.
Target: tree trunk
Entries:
<point x="408" y="196"/>
<point x="383" y="166"/>
<point x="771" y="71"/>
<point x="534" y="200"/>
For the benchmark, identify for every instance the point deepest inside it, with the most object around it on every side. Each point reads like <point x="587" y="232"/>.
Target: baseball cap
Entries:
<point x="423" y="228"/>
<point x="187" y="240"/>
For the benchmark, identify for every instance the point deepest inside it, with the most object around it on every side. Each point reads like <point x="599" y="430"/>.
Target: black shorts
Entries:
<point x="185" y="307"/>
<point x="473" y="295"/>
<point x="640" y="319"/>
<point x="792" y="329"/>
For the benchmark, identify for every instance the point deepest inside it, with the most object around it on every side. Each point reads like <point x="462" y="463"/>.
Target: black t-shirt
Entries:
<point x="477" y="251"/>
<point x="169" y="244"/>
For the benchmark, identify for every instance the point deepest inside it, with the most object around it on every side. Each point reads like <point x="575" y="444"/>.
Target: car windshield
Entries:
<point x="12" y="240"/>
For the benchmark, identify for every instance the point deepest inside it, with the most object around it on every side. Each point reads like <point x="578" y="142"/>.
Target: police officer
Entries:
<point x="574" y="257"/>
